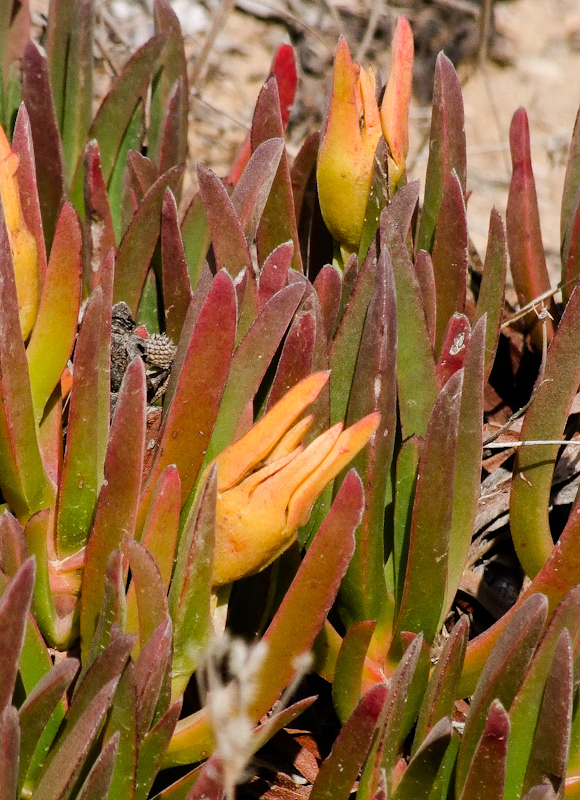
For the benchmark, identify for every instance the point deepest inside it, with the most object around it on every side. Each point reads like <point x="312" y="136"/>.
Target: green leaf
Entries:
<point x="196" y="237"/>
<point x="35" y="713"/>
<point x="545" y="419"/>
<point x="23" y="481"/>
<point x="148" y="592"/>
<point x="492" y="290"/>
<point x="501" y="677"/>
<point x="161" y="526"/>
<point x="117" y="505"/>
<point x="54" y="332"/>
<point x="416" y="371"/>
<point x="123" y="719"/>
<point x="347" y="682"/>
<point x="249" y="364"/>
<point x="81" y="472"/>
<point x="117" y="109"/>
<point x="418" y="779"/>
<point x="549" y="753"/>
<point x="152" y="749"/>
<point x="189" y="595"/>
<point x="449" y="256"/>
<point x="339" y="771"/>
<point x="152" y="674"/>
<point x="99" y="233"/>
<point x="343" y="351"/>
<point x="426" y="576"/>
<point x="405" y="488"/>
<point x="467" y="474"/>
<point x="37" y="533"/>
<point x="439" y="700"/>
<point x="525" y="709"/>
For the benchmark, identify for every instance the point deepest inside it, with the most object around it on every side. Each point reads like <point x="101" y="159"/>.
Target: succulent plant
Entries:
<point x="156" y="360"/>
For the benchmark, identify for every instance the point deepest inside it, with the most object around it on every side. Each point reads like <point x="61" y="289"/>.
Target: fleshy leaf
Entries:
<point x="492" y="290"/>
<point x="418" y="779"/>
<point x="545" y="419"/>
<point x="339" y="771"/>
<point x="347" y="682"/>
<point x="501" y="676"/>
<point x="119" y="497"/>
<point x="54" y="332"/>
<point x="147" y="597"/>
<point x="177" y="291"/>
<point x="251" y="194"/>
<point x="485" y="778"/>
<point x="524" y="237"/>
<point x="447" y="149"/>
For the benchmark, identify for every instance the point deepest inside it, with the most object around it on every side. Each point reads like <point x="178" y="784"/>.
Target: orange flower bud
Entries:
<point x="396" y="100"/>
<point x="268" y="481"/>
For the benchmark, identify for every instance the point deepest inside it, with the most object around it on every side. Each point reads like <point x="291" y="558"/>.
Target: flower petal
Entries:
<point x="252" y="448"/>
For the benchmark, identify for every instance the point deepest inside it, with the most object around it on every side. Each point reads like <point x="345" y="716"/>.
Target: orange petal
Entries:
<point x="289" y="441"/>
<point x="240" y="457"/>
<point x="348" y="444"/>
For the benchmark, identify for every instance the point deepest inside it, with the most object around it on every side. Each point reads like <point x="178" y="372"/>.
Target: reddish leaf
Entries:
<point x="99" y="233"/>
<point x="152" y="669"/>
<point x="177" y="291"/>
<point x="450" y="256"/>
<point x="453" y="347"/>
<point x="328" y="286"/>
<point x="275" y="272"/>
<point x="175" y="125"/>
<point x="339" y="771"/>
<point x="447" y="150"/>
<point x="23" y="481"/>
<point x="196" y="237"/>
<point x="13" y="549"/>
<point x="251" y="194"/>
<point x="37" y="95"/>
<point x="119" y="496"/>
<point x="138" y="244"/>
<point x="302" y="173"/>
<point x="14" y="606"/>
<point x="492" y="290"/>
<point x="278" y="222"/>
<point x="426" y="281"/>
<point x="9" y="752"/>
<point x="152" y="750"/>
<point x="229" y="243"/>
<point x="502" y="675"/>
<point x="486" y="776"/>
<point x="98" y="780"/>
<point x="310" y="597"/>
<point x="250" y="362"/>
<point x="143" y="173"/>
<point x="297" y="357"/>
<point x="150" y="594"/>
<point x="202" y="367"/>
<point x="527" y="257"/>
<point x="364" y="592"/>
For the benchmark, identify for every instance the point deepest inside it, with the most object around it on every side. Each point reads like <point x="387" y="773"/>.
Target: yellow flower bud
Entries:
<point x="22" y="242"/>
<point x="268" y="482"/>
<point x="347" y="150"/>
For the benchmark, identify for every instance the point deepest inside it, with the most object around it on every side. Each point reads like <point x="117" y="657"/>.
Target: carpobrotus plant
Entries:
<point x="155" y="365"/>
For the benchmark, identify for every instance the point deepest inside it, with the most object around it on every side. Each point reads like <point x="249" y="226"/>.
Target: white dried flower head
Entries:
<point x="227" y="685"/>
